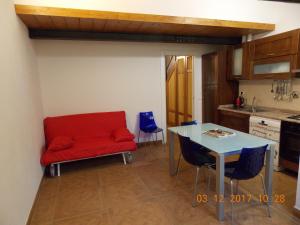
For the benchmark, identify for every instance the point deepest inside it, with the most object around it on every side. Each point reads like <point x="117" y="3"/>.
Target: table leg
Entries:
<point x="172" y="169"/>
<point x="220" y="186"/>
<point x="269" y="172"/>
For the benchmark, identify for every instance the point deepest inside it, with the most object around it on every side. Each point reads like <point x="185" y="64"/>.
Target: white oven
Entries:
<point x="269" y="129"/>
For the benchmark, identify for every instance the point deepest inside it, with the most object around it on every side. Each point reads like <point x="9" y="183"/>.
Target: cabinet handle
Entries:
<point x="296" y="71"/>
<point x="270" y="54"/>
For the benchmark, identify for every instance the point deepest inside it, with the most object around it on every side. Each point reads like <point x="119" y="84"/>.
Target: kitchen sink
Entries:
<point x="249" y="109"/>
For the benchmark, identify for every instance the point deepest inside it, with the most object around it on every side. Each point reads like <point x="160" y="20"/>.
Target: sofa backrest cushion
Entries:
<point x="61" y="143"/>
<point x="84" y="125"/>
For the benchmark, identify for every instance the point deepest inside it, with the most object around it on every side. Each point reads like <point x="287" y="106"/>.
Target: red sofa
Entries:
<point x="81" y="136"/>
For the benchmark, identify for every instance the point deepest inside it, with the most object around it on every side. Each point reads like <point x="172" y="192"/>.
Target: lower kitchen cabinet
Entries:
<point x="234" y="120"/>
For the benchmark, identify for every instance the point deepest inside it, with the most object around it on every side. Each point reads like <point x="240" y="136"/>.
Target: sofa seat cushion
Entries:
<point x="87" y="148"/>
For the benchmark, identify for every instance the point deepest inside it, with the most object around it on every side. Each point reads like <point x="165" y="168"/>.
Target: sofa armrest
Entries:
<point x="122" y="134"/>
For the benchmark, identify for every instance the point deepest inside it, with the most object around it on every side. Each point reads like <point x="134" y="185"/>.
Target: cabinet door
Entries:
<point x="277" y="45"/>
<point x="233" y="120"/>
<point x="238" y="62"/>
<point x="273" y="68"/>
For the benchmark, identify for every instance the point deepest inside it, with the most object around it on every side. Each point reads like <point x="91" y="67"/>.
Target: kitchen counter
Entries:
<point x="266" y="112"/>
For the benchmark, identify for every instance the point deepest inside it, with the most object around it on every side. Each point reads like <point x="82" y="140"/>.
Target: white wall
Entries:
<point x="85" y="76"/>
<point x="286" y="16"/>
<point x="65" y="66"/>
<point x="21" y="131"/>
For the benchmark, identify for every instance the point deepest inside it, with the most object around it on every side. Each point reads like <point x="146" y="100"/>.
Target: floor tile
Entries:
<point x="78" y="194"/>
<point x="45" y="203"/>
<point x="145" y="213"/>
<point x="105" y="191"/>
<point x="89" y="219"/>
<point x="125" y="194"/>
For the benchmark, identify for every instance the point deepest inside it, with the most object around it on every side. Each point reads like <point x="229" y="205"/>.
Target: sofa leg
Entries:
<point x="52" y="170"/>
<point x="124" y="158"/>
<point x="58" y="169"/>
<point x="129" y="157"/>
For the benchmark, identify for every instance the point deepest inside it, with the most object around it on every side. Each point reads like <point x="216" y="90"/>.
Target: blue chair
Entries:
<point x="248" y="166"/>
<point x="189" y="123"/>
<point x="193" y="154"/>
<point x="148" y="125"/>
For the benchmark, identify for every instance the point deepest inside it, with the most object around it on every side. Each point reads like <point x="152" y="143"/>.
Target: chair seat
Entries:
<point x="200" y="158"/>
<point x="198" y="146"/>
<point x="232" y="173"/>
<point x="238" y="174"/>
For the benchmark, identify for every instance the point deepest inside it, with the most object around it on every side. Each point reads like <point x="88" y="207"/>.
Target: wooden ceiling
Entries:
<point x="66" y="19"/>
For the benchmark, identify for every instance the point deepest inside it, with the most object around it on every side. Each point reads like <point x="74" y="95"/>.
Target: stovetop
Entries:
<point x="295" y="117"/>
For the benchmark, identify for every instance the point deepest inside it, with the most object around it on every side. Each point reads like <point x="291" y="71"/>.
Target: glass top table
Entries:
<point x="222" y="147"/>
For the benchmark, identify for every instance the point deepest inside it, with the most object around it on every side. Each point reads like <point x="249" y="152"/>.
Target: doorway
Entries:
<point x="179" y="89"/>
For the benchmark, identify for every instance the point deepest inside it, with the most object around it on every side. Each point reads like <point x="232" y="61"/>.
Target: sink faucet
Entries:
<point x="253" y="104"/>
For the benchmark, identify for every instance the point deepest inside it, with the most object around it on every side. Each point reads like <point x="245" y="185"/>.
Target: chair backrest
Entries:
<point x="251" y="162"/>
<point x="188" y="123"/>
<point x="147" y="122"/>
<point x="188" y="149"/>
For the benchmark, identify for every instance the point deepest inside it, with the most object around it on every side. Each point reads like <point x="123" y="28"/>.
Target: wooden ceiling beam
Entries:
<point x="48" y="17"/>
<point x="151" y="18"/>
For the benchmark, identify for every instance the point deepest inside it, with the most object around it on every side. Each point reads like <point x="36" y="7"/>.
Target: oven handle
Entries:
<point x="263" y="123"/>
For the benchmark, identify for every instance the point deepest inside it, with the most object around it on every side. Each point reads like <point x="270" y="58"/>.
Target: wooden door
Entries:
<point x="189" y="80"/>
<point x="209" y="87"/>
<point x="216" y="88"/>
<point x="171" y="99"/>
<point x="180" y="91"/>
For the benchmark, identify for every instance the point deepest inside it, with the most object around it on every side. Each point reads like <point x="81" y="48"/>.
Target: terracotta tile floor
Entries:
<point x="105" y="192"/>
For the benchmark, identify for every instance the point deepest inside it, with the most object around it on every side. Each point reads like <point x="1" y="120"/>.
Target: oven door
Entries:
<point x="290" y="145"/>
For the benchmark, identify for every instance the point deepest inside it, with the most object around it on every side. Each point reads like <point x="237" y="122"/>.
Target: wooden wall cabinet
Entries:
<point x="280" y="67"/>
<point x="275" y="57"/>
<point x="277" y="45"/>
<point x="234" y="120"/>
<point x="238" y="62"/>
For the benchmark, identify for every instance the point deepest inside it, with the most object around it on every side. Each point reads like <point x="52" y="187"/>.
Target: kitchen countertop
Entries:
<point x="270" y="113"/>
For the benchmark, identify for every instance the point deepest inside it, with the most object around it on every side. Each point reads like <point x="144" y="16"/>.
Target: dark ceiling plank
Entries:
<point x="81" y="35"/>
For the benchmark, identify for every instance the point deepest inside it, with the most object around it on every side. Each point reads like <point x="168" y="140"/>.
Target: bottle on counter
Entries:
<point x="240" y="101"/>
<point x="237" y="102"/>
